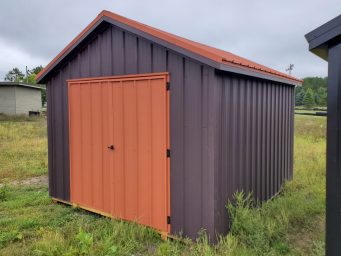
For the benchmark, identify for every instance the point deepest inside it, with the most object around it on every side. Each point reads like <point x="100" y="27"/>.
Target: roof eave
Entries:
<point x="250" y="72"/>
<point x="320" y="37"/>
<point x="41" y="78"/>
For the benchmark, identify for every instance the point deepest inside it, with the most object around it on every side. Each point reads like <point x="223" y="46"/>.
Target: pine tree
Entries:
<point x="309" y="100"/>
<point x="299" y="98"/>
<point x="322" y="96"/>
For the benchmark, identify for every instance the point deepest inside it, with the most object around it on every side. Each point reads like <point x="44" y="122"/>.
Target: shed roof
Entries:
<point x="217" y="58"/>
<point x="320" y="37"/>
<point x="21" y="85"/>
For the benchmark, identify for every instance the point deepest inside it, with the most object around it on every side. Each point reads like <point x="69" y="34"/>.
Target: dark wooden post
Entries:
<point x="325" y="42"/>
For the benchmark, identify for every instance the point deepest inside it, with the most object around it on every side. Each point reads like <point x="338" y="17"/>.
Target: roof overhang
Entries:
<point x="106" y="18"/>
<point x="320" y="38"/>
<point x="262" y="75"/>
<point x="21" y="85"/>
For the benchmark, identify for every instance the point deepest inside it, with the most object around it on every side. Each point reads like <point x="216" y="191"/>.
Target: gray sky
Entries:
<point x="270" y="32"/>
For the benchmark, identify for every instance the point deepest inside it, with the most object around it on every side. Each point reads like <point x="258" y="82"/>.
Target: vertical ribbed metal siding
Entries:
<point x="227" y="132"/>
<point x="256" y="146"/>
<point x="58" y="141"/>
<point x="192" y="118"/>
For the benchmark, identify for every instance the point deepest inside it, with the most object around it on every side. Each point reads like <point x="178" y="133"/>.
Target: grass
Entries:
<point x="290" y="224"/>
<point x="316" y="107"/>
<point x="306" y="111"/>
<point x="23" y="147"/>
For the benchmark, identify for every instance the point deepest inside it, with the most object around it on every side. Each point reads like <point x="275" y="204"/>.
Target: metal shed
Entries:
<point x="147" y="126"/>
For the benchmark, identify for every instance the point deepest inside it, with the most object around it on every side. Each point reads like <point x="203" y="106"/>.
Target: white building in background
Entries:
<point x="19" y="98"/>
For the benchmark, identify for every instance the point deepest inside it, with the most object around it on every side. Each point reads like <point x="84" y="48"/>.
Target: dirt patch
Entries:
<point x="33" y="181"/>
<point x="303" y="238"/>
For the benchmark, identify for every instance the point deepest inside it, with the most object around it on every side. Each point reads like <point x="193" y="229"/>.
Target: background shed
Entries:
<point x="19" y="98"/>
<point x="230" y="120"/>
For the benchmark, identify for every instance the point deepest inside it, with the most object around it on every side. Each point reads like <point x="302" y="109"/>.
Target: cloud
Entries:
<point x="266" y="31"/>
<point x="12" y="56"/>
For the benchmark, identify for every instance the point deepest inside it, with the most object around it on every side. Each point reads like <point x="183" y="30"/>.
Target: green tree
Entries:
<point x="309" y="98"/>
<point x="36" y="70"/>
<point x="43" y="96"/>
<point x="31" y="79"/>
<point x="32" y="73"/>
<point x="318" y="85"/>
<point x="14" y="75"/>
<point x="314" y="83"/>
<point x="321" y="96"/>
<point x="299" y="98"/>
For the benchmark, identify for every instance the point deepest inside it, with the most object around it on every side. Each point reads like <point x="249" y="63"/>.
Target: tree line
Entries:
<point x="16" y="75"/>
<point x="313" y="92"/>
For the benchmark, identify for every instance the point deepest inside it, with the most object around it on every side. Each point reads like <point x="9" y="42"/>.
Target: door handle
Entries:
<point x="111" y="147"/>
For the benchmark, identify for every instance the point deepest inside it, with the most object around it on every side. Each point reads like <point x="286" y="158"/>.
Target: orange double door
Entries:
<point x="119" y="137"/>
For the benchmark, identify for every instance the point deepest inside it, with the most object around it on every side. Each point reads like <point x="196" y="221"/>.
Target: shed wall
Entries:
<point x="27" y="99"/>
<point x="193" y="110"/>
<point x="7" y="100"/>
<point x="256" y="140"/>
<point x="227" y="132"/>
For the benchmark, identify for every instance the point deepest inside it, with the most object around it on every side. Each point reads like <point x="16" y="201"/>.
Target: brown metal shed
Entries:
<point x="148" y="126"/>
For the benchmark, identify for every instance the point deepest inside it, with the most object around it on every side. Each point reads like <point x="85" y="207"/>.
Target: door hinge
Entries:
<point x="168" y="152"/>
<point x="168" y="220"/>
<point x="167" y="86"/>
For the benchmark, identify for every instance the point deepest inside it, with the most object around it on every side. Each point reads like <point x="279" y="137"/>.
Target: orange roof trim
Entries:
<point x="217" y="55"/>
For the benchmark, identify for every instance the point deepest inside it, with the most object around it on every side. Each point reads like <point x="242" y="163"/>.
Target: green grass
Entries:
<point x="306" y="111"/>
<point x="290" y="224"/>
<point x="23" y="147"/>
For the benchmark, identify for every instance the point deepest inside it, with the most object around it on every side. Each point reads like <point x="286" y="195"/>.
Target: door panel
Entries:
<point x="130" y="149"/>
<point x="76" y="137"/>
<point x="144" y="125"/>
<point x="97" y="146"/>
<point x="159" y="140"/>
<point x="130" y="181"/>
<point x="107" y="140"/>
<point x="86" y="154"/>
<point x="118" y="188"/>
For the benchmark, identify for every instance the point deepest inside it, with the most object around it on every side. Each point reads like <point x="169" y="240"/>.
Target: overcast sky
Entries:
<point x="270" y="32"/>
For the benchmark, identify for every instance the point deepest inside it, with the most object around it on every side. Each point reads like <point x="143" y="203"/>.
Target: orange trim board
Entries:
<point x="217" y="55"/>
<point x="125" y="77"/>
<point x="130" y="179"/>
